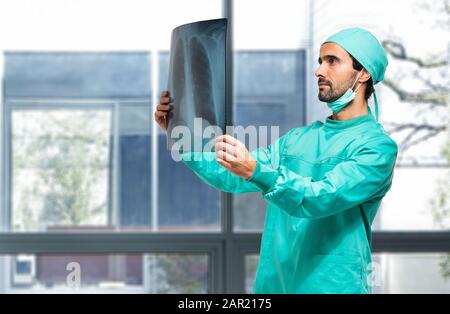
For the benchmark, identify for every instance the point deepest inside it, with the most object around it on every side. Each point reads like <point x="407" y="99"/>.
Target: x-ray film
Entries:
<point x="196" y="84"/>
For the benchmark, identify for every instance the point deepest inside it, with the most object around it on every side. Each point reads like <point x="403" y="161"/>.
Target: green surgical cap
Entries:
<point x="365" y="48"/>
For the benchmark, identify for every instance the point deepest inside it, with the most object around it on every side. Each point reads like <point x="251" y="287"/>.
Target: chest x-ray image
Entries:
<point x="197" y="82"/>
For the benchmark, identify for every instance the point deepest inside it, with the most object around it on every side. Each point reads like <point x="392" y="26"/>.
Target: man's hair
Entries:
<point x="369" y="87"/>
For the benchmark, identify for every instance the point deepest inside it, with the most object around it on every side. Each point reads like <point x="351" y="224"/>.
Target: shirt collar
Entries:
<point x="343" y="124"/>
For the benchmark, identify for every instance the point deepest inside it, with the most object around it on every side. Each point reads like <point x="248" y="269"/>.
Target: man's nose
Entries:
<point x="320" y="71"/>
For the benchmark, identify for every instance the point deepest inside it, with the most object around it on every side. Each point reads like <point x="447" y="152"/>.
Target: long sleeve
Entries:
<point x="368" y="174"/>
<point x="212" y="173"/>
<point x="206" y="167"/>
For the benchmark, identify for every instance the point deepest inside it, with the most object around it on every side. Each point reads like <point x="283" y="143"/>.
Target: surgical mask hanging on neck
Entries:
<point x="343" y="101"/>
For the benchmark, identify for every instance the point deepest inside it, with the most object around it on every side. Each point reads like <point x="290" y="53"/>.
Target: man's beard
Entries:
<point x="330" y="94"/>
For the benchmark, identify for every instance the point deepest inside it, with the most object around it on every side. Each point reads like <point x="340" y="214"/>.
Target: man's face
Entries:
<point x="335" y="72"/>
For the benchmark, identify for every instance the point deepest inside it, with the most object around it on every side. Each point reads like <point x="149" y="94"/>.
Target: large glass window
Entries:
<point x="60" y="167"/>
<point x="107" y="273"/>
<point x="417" y="200"/>
<point x="80" y="140"/>
<point x="81" y="148"/>
<point x="411" y="273"/>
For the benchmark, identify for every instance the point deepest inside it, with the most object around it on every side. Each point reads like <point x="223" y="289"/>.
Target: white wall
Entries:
<point x="96" y="24"/>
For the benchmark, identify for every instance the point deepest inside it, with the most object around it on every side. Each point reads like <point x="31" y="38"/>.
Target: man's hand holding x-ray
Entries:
<point x="230" y="153"/>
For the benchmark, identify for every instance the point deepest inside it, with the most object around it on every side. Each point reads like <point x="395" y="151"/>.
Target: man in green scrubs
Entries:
<point x="323" y="182"/>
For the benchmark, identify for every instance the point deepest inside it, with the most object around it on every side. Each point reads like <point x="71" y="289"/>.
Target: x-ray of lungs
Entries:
<point x="196" y="84"/>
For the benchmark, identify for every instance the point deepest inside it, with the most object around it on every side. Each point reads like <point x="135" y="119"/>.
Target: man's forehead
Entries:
<point x="333" y="49"/>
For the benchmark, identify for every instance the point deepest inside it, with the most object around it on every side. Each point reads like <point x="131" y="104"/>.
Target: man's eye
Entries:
<point x="331" y="60"/>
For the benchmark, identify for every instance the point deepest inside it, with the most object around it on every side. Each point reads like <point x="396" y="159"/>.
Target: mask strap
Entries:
<point x="374" y="98"/>
<point x="357" y="81"/>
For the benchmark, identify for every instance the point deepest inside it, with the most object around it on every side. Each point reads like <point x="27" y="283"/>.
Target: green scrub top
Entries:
<point x="323" y="184"/>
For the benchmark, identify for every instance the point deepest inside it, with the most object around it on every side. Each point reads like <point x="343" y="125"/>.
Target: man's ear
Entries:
<point x="364" y="77"/>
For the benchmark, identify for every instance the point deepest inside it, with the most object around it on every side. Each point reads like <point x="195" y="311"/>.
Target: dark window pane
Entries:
<point x="269" y="91"/>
